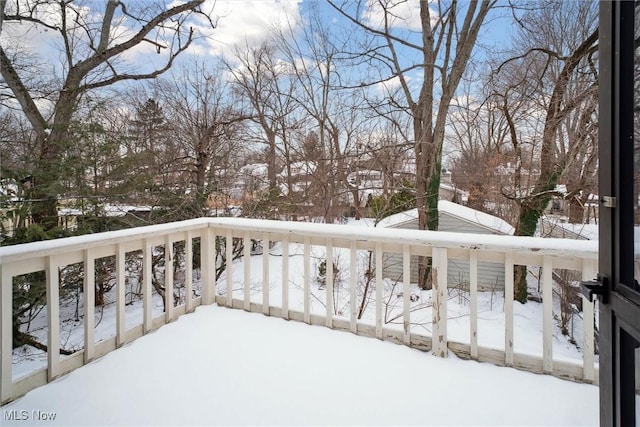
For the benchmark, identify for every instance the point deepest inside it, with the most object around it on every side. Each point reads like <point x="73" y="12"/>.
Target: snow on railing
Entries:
<point x="188" y="262"/>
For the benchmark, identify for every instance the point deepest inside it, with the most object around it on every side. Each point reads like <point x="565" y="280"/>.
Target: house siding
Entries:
<point x="490" y="274"/>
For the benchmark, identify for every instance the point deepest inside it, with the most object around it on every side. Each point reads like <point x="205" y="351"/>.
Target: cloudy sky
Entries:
<point x="238" y="24"/>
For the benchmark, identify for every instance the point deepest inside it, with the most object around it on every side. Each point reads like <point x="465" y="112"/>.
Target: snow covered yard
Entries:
<point x="219" y="366"/>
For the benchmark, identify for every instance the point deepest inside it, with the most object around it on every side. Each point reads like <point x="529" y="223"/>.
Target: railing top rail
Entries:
<point x="528" y="245"/>
<point x="443" y="239"/>
<point x="68" y="244"/>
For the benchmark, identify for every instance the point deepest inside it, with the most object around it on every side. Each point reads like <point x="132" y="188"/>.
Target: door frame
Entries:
<point x="619" y="327"/>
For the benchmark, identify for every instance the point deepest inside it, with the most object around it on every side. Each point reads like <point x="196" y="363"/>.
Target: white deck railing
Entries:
<point x="50" y="256"/>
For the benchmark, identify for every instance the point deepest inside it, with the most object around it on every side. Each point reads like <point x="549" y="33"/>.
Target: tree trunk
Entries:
<point x="530" y="212"/>
<point x="576" y="211"/>
<point x="271" y="160"/>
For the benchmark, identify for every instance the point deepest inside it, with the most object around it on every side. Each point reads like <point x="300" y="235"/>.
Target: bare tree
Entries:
<point x="479" y="142"/>
<point x="552" y="81"/>
<point x="262" y="81"/>
<point x="204" y="125"/>
<point x="92" y="49"/>
<point x="445" y="39"/>
<point x="332" y="112"/>
<point x="3" y="4"/>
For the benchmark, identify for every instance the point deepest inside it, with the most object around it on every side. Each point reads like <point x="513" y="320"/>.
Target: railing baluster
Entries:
<point x="473" y="291"/>
<point x="285" y="277"/>
<point x="508" y="309"/>
<point x="265" y="274"/>
<point x="208" y="265"/>
<point x="246" y="259"/>
<point x="588" y="371"/>
<point x="547" y="314"/>
<point x="379" y="286"/>
<point x="147" y="293"/>
<point x="406" y="293"/>
<point x="188" y="272"/>
<point x="120" y="296"/>
<point x="439" y="298"/>
<point x="53" y="318"/>
<point x="307" y="280"/>
<point x="329" y="284"/>
<point x="89" y="305"/>
<point x="168" y="279"/>
<point x="229" y="258"/>
<point x="353" y="283"/>
<point x="6" y="332"/>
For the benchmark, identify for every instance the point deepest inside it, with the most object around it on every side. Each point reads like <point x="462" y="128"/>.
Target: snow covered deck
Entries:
<point x="219" y="366"/>
<point x="352" y="296"/>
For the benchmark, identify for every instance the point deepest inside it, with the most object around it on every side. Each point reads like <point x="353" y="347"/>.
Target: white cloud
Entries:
<point x="246" y="22"/>
<point x="403" y="14"/>
<point x="389" y="86"/>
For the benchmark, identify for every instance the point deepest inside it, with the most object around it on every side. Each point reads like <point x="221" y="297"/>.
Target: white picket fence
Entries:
<point x="50" y="256"/>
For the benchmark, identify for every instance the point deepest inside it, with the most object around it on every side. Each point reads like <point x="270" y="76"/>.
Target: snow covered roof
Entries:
<point x="255" y="169"/>
<point x="122" y="210"/>
<point x="553" y="226"/>
<point x="9" y="189"/>
<point x="464" y="196"/>
<point x="69" y="212"/>
<point x="109" y="210"/>
<point x="300" y="168"/>
<point x="462" y="212"/>
<point x="398" y="219"/>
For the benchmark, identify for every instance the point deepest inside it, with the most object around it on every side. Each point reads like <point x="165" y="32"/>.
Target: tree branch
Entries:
<point x="21" y="93"/>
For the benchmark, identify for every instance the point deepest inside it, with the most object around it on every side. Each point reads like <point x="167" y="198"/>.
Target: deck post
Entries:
<point x="329" y="284"/>
<point x="439" y="300"/>
<point x="188" y="272"/>
<point x="121" y="333"/>
<point x="406" y="294"/>
<point x="6" y="333"/>
<point x="285" y="277"/>
<point x="307" y="280"/>
<point x="208" y="265"/>
<point x="265" y="274"/>
<point x="508" y="309"/>
<point x="379" y="287"/>
<point x="547" y="315"/>
<point x="89" y="305"/>
<point x="473" y="291"/>
<point x="168" y="278"/>
<point x="53" y="318"/>
<point x="229" y="258"/>
<point x="588" y="371"/>
<point x="353" y="283"/>
<point x="147" y="292"/>
<point x="246" y="262"/>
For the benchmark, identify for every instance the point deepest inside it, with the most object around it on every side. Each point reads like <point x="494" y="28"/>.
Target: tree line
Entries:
<point x="316" y="121"/>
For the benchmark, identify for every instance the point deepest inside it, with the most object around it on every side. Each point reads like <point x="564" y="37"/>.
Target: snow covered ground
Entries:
<point x="219" y="366"/>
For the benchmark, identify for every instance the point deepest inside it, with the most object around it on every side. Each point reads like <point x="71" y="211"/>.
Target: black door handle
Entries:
<point x="599" y="287"/>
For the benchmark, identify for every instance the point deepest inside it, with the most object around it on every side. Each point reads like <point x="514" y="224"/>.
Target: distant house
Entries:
<point x="452" y="193"/>
<point x="550" y="226"/>
<point x="69" y="217"/>
<point x="297" y="178"/>
<point x="453" y="218"/>
<point x="250" y="179"/>
<point x="11" y="204"/>
<point x="369" y="182"/>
